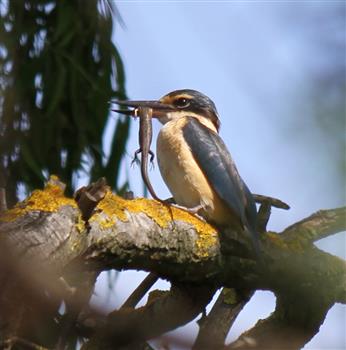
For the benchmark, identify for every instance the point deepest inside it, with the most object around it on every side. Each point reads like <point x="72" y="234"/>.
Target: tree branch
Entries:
<point x="273" y="202"/>
<point x="46" y="233"/>
<point x="140" y="234"/>
<point x="140" y="291"/>
<point x="290" y="326"/>
<point x="181" y="305"/>
<point x="319" y="225"/>
<point x="215" y="327"/>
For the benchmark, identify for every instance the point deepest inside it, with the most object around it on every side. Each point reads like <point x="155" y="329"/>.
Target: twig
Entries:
<point x="128" y="195"/>
<point x="263" y="216"/>
<point x="140" y="291"/>
<point x="274" y="202"/>
<point x="76" y="297"/>
<point x="264" y="211"/>
<point x="7" y="344"/>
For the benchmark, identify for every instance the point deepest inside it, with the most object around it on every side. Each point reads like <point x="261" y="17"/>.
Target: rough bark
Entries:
<point x="47" y="233"/>
<point x="215" y="327"/>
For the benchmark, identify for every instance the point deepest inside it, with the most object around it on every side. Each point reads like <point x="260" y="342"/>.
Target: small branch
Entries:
<point x="321" y="224"/>
<point x="263" y="216"/>
<point x="288" y="327"/>
<point x="215" y="327"/>
<point x="274" y="202"/>
<point x="8" y="343"/>
<point x="264" y="211"/>
<point x="78" y="297"/>
<point x="176" y="308"/>
<point x="128" y="195"/>
<point x="140" y="291"/>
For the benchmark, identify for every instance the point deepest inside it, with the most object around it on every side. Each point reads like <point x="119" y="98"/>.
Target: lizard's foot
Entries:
<point x="136" y="161"/>
<point x="135" y="157"/>
<point x="152" y="157"/>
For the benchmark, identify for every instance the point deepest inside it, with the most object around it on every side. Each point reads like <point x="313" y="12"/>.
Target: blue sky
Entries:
<point x="258" y="61"/>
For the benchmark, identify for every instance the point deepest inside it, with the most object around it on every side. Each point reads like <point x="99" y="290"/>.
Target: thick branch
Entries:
<point x="142" y="234"/>
<point x="144" y="237"/>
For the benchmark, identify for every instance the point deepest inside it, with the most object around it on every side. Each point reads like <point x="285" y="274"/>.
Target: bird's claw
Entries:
<point x="193" y="210"/>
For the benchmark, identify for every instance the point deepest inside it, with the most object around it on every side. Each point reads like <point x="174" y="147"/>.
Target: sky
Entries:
<point x="263" y="63"/>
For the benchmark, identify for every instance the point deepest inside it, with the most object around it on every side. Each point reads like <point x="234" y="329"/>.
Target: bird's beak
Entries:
<point x="159" y="109"/>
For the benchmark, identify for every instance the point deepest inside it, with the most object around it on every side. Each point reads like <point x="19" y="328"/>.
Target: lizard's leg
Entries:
<point x="152" y="157"/>
<point x="135" y="158"/>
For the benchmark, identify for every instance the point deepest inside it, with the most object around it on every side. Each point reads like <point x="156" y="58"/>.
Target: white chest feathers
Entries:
<point x="182" y="174"/>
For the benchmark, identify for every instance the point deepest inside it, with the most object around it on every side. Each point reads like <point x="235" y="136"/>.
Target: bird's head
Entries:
<point x="178" y="104"/>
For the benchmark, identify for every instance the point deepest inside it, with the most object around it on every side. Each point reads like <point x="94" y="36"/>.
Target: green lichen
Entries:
<point x="230" y="296"/>
<point x="296" y="245"/>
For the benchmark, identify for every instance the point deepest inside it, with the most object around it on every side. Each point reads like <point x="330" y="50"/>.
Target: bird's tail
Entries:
<point x="254" y="237"/>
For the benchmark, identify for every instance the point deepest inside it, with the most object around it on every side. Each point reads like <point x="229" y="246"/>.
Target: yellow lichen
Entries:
<point x="80" y="224"/>
<point x="109" y="210"/>
<point x="50" y="199"/>
<point x="205" y="241"/>
<point x="115" y="209"/>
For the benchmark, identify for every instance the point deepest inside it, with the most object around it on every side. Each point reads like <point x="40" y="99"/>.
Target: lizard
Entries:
<point x="145" y="138"/>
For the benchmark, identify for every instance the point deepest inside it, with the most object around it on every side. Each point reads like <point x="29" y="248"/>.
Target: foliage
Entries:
<point x="58" y="72"/>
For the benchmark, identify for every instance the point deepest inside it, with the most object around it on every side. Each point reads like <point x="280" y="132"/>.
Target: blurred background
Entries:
<point x="276" y="72"/>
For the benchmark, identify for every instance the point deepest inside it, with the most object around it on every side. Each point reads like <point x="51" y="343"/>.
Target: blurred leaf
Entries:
<point x="58" y="71"/>
<point x="30" y="161"/>
<point x="117" y="151"/>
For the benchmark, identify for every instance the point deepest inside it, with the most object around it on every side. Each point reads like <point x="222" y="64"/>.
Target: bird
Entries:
<point x="195" y="163"/>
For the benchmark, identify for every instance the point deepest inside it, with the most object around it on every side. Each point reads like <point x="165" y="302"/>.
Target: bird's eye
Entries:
<point x="181" y="102"/>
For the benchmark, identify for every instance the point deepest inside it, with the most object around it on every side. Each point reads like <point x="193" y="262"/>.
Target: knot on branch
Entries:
<point x="87" y="197"/>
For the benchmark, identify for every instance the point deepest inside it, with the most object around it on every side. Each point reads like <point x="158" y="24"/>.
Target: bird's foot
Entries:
<point x="193" y="210"/>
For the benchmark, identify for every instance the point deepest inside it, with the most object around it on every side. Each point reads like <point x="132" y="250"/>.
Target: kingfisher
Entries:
<point x="195" y="163"/>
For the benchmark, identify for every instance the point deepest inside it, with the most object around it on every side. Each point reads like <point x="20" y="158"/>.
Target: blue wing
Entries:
<point x="212" y="156"/>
